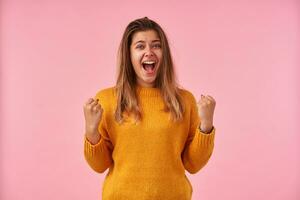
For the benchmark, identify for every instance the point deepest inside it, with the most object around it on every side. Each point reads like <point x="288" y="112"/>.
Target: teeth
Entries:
<point x="149" y="62"/>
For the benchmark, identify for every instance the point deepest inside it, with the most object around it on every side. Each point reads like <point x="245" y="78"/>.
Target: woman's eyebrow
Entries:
<point x="155" y="41"/>
<point x="142" y="41"/>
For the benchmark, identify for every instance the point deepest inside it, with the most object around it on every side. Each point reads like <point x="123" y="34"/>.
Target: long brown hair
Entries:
<point x="126" y="80"/>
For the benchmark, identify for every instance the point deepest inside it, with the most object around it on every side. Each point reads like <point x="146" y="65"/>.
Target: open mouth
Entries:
<point x="149" y="66"/>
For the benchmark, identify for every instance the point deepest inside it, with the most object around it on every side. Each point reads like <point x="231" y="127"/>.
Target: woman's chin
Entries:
<point x="147" y="81"/>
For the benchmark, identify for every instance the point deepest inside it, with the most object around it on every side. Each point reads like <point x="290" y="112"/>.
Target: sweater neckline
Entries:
<point x="147" y="91"/>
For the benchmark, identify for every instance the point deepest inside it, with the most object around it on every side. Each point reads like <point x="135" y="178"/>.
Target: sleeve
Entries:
<point x="199" y="146"/>
<point x="99" y="156"/>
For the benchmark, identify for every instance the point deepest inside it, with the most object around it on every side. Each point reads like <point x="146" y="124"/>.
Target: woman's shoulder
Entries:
<point x="186" y="94"/>
<point x="106" y="94"/>
<point x="106" y="91"/>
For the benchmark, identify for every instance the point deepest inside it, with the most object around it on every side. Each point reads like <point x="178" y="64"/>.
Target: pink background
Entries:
<point x="57" y="54"/>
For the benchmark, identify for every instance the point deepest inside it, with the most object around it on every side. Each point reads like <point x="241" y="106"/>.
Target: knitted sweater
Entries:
<point x="147" y="160"/>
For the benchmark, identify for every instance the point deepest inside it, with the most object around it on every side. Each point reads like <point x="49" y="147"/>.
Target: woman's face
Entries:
<point x="146" y="55"/>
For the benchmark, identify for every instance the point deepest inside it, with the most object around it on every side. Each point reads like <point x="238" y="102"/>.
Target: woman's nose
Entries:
<point x="149" y="51"/>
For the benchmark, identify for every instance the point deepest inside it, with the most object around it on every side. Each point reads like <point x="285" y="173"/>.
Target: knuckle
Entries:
<point x="89" y="107"/>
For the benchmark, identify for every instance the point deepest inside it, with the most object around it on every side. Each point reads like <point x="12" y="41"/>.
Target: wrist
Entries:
<point x="93" y="137"/>
<point x="90" y="130"/>
<point x="206" y="128"/>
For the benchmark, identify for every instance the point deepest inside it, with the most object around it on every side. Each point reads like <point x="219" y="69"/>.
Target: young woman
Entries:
<point x="146" y="129"/>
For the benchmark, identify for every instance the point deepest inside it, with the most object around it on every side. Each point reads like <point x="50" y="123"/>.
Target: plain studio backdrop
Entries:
<point x="57" y="54"/>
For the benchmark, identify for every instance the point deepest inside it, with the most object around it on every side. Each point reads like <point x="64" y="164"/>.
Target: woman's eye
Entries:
<point x="157" y="46"/>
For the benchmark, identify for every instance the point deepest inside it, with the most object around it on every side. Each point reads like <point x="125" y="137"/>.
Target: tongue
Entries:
<point x="149" y="68"/>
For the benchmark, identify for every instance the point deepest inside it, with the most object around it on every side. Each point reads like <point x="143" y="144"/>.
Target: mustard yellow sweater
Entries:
<point x="147" y="160"/>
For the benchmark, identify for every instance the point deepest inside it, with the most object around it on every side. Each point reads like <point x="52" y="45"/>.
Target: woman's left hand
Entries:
<point x="206" y="107"/>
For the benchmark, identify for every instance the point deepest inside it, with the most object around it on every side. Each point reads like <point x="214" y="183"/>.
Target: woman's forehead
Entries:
<point x="145" y="36"/>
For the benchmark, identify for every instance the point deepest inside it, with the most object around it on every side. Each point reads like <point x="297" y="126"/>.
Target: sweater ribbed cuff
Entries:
<point x="206" y="139"/>
<point x="89" y="147"/>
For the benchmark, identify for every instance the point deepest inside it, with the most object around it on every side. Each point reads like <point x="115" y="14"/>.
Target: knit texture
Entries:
<point x="147" y="160"/>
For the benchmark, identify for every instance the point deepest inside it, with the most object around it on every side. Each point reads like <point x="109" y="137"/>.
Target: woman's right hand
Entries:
<point x="93" y="114"/>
